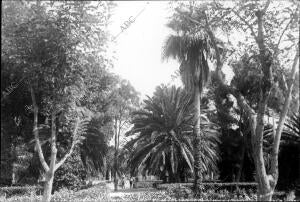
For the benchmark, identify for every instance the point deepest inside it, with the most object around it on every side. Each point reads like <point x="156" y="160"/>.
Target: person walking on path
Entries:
<point x="123" y="182"/>
<point x="131" y="182"/>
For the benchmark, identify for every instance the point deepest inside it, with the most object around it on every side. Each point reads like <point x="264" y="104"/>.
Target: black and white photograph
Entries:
<point x="193" y="100"/>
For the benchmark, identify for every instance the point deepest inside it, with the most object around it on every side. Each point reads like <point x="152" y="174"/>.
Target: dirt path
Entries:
<point x="122" y="193"/>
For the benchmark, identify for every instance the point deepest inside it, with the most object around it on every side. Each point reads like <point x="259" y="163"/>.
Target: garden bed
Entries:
<point x="6" y="192"/>
<point x="95" y="193"/>
<point x="212" y="191"/>
<point x="148" y="184"/>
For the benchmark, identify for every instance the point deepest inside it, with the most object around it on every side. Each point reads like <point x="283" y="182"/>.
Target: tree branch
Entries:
<point x="266" y="7"/>
<point x="279" y="40"/>
<point x="285" y="86"/>
<point x="36" y="132"/>
<point x="53" y="143"/>
<point x="72" y="146"/>
<point x="274" y="162"/>
<point x="246" y="23"/>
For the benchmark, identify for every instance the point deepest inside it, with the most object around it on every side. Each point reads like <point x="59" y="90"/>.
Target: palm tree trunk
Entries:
<point x="197" y="142"/>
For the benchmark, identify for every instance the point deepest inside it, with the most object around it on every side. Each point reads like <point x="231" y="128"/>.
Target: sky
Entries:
<point x="138" y="48"/>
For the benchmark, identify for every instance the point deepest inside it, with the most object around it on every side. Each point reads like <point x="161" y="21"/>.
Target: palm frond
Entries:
<point x="189" y="51"/>
<point x="163" y="131"/>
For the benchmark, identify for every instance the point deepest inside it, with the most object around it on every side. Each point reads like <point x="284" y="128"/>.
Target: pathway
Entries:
<point x="121" y="193"/>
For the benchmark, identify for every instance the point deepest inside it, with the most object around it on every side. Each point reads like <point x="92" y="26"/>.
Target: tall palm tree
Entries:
<point x="191" y="51"/>
<point x="163" y="140"/>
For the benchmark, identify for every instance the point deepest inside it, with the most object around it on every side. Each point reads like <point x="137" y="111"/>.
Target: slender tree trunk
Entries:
<point x="48" y="187"/>
<point x="197" y="142"/>
<point x="116" y="158"/>
<point x="50" y="174"/>
<point x="267" y="181"/>
<point x="49" y="169"/>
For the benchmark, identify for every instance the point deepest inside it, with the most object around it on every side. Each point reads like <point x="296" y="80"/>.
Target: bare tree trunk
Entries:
<point x="49" y="170"/>
<point x="116" y="157"/>
<point x="50" y="174"/>
<point x="197" y="142"/>
<point x="36" y="132"/>
<point x="48" y="187"/>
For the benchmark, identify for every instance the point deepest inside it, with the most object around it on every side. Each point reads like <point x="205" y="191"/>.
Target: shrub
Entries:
<point x="17" y="190"/>
<point x="242" y="195"/>
<point x="147" y="184"/>
<point x="184" y="191"/>
<point x="70" y="175"/>
<point x="95" y="193"/>
<point x="178" y="190"/>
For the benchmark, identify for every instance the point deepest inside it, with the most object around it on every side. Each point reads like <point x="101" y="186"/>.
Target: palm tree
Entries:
<point x="191" y="51"/>
<point x="163" y="140"/>
<point x="94" y="148"/>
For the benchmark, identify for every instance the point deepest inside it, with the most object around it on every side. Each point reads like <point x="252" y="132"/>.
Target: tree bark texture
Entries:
<point x="197" y="142"/>
<point x="48" y="186"/>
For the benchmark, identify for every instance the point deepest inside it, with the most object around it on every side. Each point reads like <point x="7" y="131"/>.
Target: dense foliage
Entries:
<point x="60" y="99"/>
<point x="58" y="61"/>
<point x="162" y="140"/>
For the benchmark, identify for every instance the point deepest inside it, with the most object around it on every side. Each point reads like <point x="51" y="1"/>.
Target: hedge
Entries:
<point x="18" y="190"/>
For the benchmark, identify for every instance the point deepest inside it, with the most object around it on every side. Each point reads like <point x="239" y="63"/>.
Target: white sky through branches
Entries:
<point x="138" y="48"/>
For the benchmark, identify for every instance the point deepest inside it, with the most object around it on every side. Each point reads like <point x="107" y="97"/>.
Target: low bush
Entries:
<point x="181" y="191"/>
<point x="172" y="186"/>
<point x="18" y="190"/>
<point x="70" y="175"/>
<point x="147" y="184"/>
<point x="95" y="193"/>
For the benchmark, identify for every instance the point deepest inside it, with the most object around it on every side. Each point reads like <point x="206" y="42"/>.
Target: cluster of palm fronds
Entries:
<point x="290" y="134"/>
<point x="292" y="131"/>
<point x="163" y="135"/>
<point x="190" y="51"/>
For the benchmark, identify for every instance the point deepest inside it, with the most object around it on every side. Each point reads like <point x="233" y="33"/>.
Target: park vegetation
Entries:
<point x="61" y="105"/>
